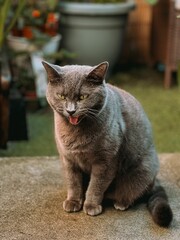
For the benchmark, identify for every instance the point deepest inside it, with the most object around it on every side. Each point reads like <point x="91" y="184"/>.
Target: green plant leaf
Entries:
<point x="4" y="11"/>
<point x="16" y="14"/>
<point x="3" y="15"/>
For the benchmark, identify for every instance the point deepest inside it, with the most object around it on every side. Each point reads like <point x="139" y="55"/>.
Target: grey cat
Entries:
<point x="102" y="132"/>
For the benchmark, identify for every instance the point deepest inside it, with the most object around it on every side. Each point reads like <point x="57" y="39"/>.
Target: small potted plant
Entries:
<point x="35" y="35"/>
<point x="36" y="28"/>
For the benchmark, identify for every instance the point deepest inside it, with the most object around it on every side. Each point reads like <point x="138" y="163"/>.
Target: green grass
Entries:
<point x="162" y="107"/>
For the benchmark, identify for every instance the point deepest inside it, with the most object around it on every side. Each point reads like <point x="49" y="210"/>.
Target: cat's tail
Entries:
<point x="159" y="207"/>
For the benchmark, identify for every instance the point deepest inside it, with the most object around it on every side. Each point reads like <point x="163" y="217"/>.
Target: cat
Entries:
<point x="102" y="132"/>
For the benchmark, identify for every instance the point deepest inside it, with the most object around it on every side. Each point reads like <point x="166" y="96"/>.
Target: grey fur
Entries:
<point x="112" y="142"/>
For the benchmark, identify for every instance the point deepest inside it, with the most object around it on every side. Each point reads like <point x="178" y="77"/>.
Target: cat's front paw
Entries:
<point x="120" y="206"/>
<point x="72" y="205"/>
<point x="92" y="209"/>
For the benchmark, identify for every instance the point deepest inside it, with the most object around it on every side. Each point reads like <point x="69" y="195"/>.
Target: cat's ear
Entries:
<point x="52" y="72"/>
<point x="98" y="73"/>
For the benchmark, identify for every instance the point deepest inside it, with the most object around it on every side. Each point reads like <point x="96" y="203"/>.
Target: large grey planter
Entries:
<point x="94" y="31"/>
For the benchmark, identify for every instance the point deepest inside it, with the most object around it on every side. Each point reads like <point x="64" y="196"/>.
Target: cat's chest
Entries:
<point x="75" y="143"/>
<point x="77" y="149"/>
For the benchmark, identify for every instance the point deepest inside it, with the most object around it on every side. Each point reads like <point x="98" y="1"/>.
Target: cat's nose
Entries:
<point x="70" y="108"/>
<point x="71" y="112"/>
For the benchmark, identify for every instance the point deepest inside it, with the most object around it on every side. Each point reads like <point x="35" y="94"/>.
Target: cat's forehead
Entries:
<point x="74" y="70"/>
<point x="73" y="78"/>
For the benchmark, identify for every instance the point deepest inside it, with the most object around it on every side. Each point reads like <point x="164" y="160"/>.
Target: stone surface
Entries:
<point x="32" y="191"/>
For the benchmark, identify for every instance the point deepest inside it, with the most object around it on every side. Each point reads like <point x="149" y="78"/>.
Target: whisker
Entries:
<point x="92" y="114"/>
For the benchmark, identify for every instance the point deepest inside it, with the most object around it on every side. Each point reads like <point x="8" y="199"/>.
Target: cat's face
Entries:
<point x="76" y="92"/>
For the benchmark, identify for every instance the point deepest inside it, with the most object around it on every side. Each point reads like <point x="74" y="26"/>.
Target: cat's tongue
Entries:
<point x="73" y="120"/>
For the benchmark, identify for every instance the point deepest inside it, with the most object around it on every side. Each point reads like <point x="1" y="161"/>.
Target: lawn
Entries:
<point x="162" y="107"/>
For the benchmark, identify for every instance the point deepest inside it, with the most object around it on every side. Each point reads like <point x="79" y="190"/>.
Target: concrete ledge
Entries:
<point x="32" y="191"/>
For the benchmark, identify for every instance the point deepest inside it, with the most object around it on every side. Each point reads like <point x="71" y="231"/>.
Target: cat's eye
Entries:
<point x="82" y="97"/>
<point x="60" y="96"/>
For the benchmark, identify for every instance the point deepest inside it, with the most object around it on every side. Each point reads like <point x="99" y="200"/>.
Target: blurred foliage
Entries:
<point x="7" y="19"/>
<point x="61" y="56"/>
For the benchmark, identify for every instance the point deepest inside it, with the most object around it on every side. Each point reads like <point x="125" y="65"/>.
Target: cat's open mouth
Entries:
<point x="74" y="120"/>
